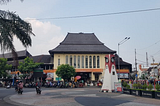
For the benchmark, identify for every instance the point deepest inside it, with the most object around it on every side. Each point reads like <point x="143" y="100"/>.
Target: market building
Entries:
<point x="85" y="53"/>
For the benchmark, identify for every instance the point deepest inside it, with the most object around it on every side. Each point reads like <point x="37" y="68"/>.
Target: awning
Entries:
<point x="97" y="73"/>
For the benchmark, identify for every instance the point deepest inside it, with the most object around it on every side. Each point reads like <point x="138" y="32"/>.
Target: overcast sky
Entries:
<point x="143" y="28"/>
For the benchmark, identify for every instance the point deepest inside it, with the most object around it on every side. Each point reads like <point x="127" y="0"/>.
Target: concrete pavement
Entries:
<point x="78" y="97"/>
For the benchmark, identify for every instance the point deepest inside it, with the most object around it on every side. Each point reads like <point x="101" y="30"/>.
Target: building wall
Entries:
<point x="61" y="59"/>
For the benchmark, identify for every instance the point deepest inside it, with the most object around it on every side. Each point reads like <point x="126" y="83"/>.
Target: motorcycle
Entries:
<point x="8" y="86"/>
<point x="38" y="90"/>
<point x="20" y="90"/>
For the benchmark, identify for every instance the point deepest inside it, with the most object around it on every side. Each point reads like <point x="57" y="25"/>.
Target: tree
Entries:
<point x="6" y="1"/>
<point x="65" y="71"/>
<point x="27" y="66"/>
<point x="11" y="25"/>
<point x="4" y="67"/>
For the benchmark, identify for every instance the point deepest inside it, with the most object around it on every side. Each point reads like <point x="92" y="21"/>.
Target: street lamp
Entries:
<point x="121" y="42"/>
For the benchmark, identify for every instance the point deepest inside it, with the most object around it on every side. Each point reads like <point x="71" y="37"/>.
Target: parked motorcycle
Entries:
<point x="38" y="90"/>
<point x="8" y="86"/>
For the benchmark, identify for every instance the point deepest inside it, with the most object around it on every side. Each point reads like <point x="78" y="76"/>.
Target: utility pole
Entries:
<point x="136" y="66"/>
<point x="146" y="59"/>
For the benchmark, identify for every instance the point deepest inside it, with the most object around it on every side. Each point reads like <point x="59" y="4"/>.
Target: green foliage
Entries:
<point x="128" y="87"/>
<point x="144" y="86"/>
<point x="157" y="87"/>
<point x="12" y="26"/>
<point x="150" y="87"/>
<point x="65" y="71"/>
<point x="135" y="86"/>
<point x="124" y="84"/>
<point x="3" y="67"/>
<point x="22" y="76"/>
<point x="28" y="65"/>
<point x="139" y="85"/>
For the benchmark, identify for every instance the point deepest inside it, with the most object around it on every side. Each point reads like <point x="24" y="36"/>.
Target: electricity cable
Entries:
<point x="105" y="14"/>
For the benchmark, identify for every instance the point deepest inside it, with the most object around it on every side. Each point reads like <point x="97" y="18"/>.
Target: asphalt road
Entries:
<point x="7" y="92"/>
<point x="77" y="97"/>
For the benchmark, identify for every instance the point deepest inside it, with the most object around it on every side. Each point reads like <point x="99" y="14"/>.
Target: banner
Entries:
<point x="118" y="86"/>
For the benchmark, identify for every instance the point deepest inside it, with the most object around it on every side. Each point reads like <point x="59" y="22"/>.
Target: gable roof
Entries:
<point x="42" y="58"/>
<point x="81" y="43"/>
<point x="23" y="53"/>
<point x="120" y="61"/>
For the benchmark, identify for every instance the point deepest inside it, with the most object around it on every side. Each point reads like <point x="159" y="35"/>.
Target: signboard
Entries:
<point x="58" y="79"/>
<point x="123" y="75"/>
<point x="118" y="86"/>
<point x="50" y="75"/>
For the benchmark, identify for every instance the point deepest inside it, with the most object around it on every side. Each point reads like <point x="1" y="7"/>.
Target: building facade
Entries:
<point x="84" y="52"/>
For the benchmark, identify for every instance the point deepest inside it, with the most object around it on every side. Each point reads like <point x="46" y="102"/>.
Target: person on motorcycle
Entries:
<point x="16" y="86"/>
<point x="20" y="85"/>
<point x="38" y="87"/>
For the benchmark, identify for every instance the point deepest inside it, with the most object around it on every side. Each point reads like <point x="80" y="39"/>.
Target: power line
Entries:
<point x="96" y="15"/>
<point x="150" y="45"/>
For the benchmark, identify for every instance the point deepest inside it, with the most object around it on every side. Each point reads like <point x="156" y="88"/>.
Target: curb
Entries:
<point x="8" y="100"/>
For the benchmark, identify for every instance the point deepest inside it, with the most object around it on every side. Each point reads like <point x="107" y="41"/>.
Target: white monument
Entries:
<point x="110" y="74"/>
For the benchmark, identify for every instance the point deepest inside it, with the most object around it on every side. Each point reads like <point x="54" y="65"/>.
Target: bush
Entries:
<point x="150" y="87"/>
<point x="157" y="87"/>
<point x="139" y="85"/>
<point x="144" y="86"/>
<point x="135" y="86"/>
<point x="127" y="86"/>
<point x="124" y="84"/>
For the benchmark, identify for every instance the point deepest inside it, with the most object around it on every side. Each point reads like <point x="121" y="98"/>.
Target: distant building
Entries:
<point x="45" y="59"/>
<point x="125" y="68"/>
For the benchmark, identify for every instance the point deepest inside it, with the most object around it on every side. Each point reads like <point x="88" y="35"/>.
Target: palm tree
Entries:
<point x="11" y="25"/>
<point x="5" y="1"/>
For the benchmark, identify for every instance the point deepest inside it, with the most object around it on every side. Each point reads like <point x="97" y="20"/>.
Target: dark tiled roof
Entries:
<point x="121" y="61"/>
<point x="81" y="43"/>
<point x="23" y="53"/>
<point x="42" y="58"/>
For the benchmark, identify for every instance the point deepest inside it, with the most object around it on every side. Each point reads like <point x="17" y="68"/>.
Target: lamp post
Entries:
<point x="121" y="42"/>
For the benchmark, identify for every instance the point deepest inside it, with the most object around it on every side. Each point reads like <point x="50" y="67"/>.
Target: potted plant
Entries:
<point x="136" y="90"/>
<point x="157" y="92"/>
<point x="126" y="88"/>
<point x="147" y="93"/>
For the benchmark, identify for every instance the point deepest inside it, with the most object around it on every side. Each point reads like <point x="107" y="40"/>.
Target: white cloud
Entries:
<point x="48" y="36"/>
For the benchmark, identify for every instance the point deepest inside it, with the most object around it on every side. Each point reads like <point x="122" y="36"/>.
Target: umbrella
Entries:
<point x="78" y="77"/>
<point x="49" y="78"/>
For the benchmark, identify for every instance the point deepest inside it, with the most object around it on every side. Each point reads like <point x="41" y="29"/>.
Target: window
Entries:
<point x="82" y="61"/>
<point x="94" y="61"/>
<point x="74" y="61"/>
<point x="90" y="61"/>
<point x="66" y="59"/>
<point x="113" y="73"/>
<point x="112" y="67"/>
<point x="86" y="61"/>
<point x="70" y="60"/>
<point x="98" y="62"/>
<point x="78" y="61"/>
<point x="106" y="59"/>
<point x="58" y="62"/>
